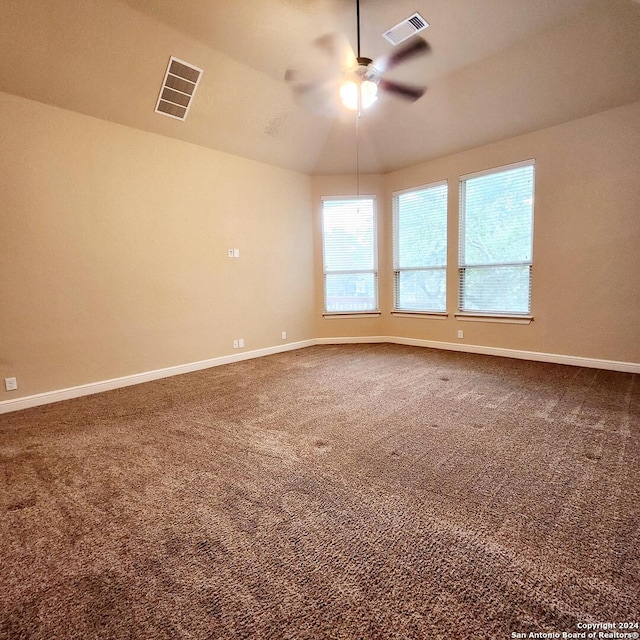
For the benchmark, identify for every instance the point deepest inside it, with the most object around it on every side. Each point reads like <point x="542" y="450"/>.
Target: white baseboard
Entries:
<point x="576" y="361"/>
<point x="48" y="397"/>
<point x="356" y="340"/>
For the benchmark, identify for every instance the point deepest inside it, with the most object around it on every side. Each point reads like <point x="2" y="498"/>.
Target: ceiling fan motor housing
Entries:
<point x="365" y="70"/>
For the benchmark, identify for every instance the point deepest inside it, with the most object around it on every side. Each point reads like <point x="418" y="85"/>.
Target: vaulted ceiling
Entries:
<point x="498" y="68"/>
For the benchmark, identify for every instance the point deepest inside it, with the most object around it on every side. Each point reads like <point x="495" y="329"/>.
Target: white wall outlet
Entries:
<point x="284" y="335"/>
<point x="460" y="333"/>
<point x="10" y="384"/>
<point x="236" y="253"/>
<point x="235" y="344"/>
<point x="230" y="253"/>
<point x="241" y="343"/>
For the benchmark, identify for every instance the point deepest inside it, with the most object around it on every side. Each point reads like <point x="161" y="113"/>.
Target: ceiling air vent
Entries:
<point x="406" y="29"/>
<point x="178" y="88"/>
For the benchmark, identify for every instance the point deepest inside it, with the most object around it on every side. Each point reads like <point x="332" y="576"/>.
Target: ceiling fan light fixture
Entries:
<point x="349" y="95"/>
<point x="368" y="93"/>
<point x="358" y="94"/>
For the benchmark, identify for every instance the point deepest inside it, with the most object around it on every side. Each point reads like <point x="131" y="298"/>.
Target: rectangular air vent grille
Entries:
<point x="178" y="88"/>
<point x="405" y="29"/>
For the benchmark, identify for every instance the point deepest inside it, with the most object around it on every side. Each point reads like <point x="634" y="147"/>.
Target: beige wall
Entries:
<point x="113" y="248"/>
<point x="113" y="251"/>
<point x="586" y="273"/>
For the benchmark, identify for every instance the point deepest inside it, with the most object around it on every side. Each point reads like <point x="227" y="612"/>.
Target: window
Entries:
<point x="496" y="240"/>
<point x="349" y="255"/>
<point x="420" y="249"/>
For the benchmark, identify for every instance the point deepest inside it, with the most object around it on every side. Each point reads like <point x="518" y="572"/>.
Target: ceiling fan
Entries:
<point x="356" y="79"/>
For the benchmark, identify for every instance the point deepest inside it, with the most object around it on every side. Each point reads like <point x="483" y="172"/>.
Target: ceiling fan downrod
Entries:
<point x="362" y="62"/>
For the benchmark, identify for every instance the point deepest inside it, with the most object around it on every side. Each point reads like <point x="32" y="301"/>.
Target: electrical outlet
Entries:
<point x="10" y="384"/>
<point x="236" y="253"/>
<point x="241" y="343"/>
<point x="460" y="333"/>
<point x="284" y="335"/>
<point x="235" y="344"/>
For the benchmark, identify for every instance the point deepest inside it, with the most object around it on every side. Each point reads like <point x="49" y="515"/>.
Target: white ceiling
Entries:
<point x="498" y="68"/>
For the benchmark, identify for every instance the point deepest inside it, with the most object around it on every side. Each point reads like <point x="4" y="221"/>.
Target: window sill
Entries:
<point x="430" y="315"/>
<point x="489" y="317"/>
<point x="350" y="314"/>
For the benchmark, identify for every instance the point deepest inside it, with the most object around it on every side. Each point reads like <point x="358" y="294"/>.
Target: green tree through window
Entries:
<point x="496" y="241"/>
<point x="420" y="248"/>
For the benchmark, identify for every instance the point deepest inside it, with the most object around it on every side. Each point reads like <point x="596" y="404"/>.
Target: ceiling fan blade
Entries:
<point x="291" y="75"/>
<point x="311" y="87"/>
<point x="404" y="91"/>
<point x="337" y="47"/>
<point x="317" y="96"/>
<point x="416" y="46"/>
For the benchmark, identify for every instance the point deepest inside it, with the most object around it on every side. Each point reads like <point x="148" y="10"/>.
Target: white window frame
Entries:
<point x="374" y="270"/>
<point x="397" y="269"/>
<point x="515" y="316"/>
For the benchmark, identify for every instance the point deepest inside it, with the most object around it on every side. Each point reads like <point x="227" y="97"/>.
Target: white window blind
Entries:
<point x="349" y="255"/>
<point x="420" y="249"/>
<point x="496" y="240"/>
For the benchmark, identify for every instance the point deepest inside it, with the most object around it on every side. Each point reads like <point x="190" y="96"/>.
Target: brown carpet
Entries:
<point x="357" y="491"/>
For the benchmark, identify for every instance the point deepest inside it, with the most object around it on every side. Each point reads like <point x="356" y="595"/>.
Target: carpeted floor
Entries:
<point x="355" y="491"/>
